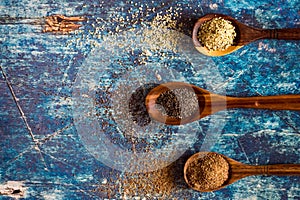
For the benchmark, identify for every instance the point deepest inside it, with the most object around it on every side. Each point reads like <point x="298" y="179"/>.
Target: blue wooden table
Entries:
<point x="69" y="125"/>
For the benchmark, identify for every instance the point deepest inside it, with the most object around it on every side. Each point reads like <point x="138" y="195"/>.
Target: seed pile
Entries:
<point x="141" y="15"/>
<point x="178" y="103"/>
<point x="208" y="172"/>
<point x="137" y="106"/>
<point x="158" y="184"/>
<point x="217" y="34"/>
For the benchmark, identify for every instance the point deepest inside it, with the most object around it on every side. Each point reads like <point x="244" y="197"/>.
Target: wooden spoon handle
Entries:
<point x="282" y="169"/>
<point x="239" y="170"/>
<point x="282" y="102"/>
<point x="242" y="170"/>
<point x="276" y="169"/>
<point x="282" y="34"/>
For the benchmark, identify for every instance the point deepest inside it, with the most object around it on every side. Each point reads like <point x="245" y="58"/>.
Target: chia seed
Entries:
<point x="178" y="103"/>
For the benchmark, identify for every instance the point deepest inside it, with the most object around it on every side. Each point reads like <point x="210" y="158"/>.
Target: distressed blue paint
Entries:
<point x="42" y="69"/>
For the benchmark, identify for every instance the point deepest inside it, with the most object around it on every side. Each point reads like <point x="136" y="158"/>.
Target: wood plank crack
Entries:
<point x="23" y="116"/>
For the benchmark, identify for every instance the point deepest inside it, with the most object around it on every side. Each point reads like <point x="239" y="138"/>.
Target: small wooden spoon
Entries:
<point x="245" y="35"/>
<point x="238" y="170"/>
<point x="209" y="103"/>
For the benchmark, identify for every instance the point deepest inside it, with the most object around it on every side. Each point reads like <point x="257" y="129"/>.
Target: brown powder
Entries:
<point x="158" y="184"/>
<point x="208" y="172"/>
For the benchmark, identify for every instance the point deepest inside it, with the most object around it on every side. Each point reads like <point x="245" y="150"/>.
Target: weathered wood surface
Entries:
<point x="41" y="148"/>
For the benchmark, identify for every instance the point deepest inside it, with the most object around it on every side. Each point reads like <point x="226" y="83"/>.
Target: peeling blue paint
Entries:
<point x="42" y="68"/>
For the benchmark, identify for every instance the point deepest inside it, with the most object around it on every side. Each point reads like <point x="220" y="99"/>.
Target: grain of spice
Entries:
<point x="208" y="172"/>
<point x="217" y="34"/>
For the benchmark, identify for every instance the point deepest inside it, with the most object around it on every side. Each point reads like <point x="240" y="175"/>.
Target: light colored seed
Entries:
<point x="217" y="34"/>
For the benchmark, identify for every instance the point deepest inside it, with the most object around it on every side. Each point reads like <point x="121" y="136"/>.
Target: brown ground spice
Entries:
<point x="158" y="184"/>
<point x="208" y="172"/>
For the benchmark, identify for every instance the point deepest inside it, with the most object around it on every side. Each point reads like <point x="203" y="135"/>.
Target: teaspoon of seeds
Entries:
<point x="218" y="34"/>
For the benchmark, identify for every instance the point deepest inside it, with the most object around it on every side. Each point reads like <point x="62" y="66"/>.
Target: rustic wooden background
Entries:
<point x="42" y="155"/>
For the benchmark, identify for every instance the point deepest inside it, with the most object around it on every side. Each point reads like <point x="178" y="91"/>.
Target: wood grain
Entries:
<point x="239" y="170"/>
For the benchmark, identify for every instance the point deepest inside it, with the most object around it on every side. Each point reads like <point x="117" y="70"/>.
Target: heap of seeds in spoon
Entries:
<point x="178" y="103"/>
<point x="217" y="34"/>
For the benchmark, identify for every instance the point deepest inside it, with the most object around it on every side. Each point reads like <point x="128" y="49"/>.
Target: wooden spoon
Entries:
<point x="238" y="170"/>
<point x="209" y="103"/>
<point x="245" y="35"/>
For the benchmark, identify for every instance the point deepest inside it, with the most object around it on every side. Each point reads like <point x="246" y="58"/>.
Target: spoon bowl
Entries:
<point x="244" y="35"/>
<point x="235" y="171"/>
<point x="209" y="103"/>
